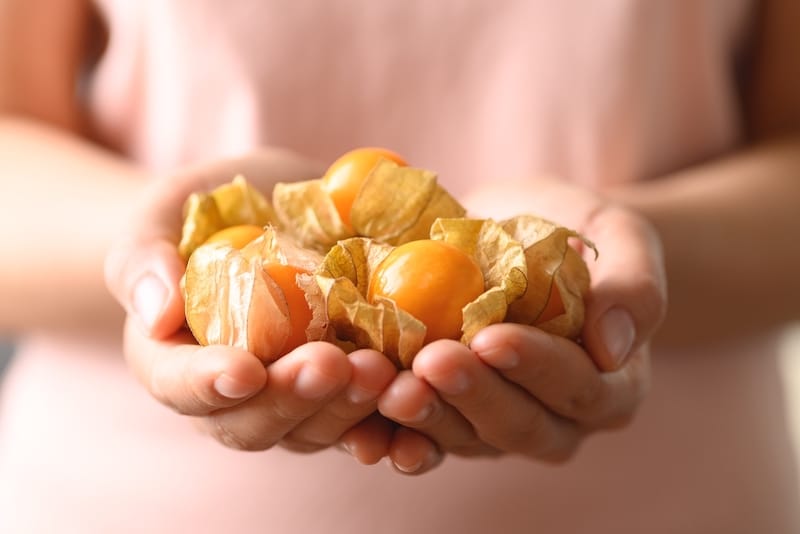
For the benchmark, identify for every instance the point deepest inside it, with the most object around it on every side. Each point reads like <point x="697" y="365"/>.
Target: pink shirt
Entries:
<point x="596" y="92"/>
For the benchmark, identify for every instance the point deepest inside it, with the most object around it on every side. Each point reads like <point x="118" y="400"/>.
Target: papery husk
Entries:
<point x="230" y="300"/>
<point x="572" y="280"/>
<point x="550" y="260"/>
<point x="395" y="205"/>
<point x="306" y="211"/>
<point x="276" y="247"/>
<point x="398" y="204"/>
<point x="502" y="262"/>
<point x="228" y="205"/>
<point x="345" y="273"/>
<point x="343" y="278"/>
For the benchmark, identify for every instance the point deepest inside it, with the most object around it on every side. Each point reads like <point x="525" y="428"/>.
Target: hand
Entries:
<point x="517" y="389"/>
<point x="304" y="401"/>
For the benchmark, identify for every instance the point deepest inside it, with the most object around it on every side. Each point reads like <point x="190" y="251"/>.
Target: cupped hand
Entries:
<point x="517" y="389"/>
<point x="304" y="401"/>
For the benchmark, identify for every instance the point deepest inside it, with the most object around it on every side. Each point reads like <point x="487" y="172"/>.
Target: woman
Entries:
<point x="497" y="99"/>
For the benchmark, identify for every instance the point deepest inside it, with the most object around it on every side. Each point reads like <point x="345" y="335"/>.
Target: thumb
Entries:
<point x="628" y="299"/>
<point x="143" y="268"/>
<point x="145" y="279"/>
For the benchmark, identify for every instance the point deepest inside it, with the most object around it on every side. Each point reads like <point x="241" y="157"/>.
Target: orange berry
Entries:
<point x="344" y="178"/>
<point x="285" y="276"/>
<point x="236" y="236"/>
<point x="431" y="280"/>
<point x="299" y="312"/>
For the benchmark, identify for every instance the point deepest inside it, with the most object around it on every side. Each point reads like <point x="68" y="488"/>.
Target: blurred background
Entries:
<point x="5" y="355"/>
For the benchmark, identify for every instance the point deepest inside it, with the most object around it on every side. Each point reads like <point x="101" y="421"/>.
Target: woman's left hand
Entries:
<point x="517" y="389"/>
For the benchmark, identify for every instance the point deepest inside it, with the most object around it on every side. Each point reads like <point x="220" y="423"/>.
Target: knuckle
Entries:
<point x="653" y="300"/>
<point x="236" y="440"/>
<point x="620" y="410"/>
<point x="168" y="384"/>
<point x="301" y="445"/>
<point x="473" y="448"/>
<point x="522" y="436"/>
<point x="322" y="431"/>
<point x="158" y="388"/>
<point x="583" y="402"/>
<point x="288" y="414"/>
<point x="343" y="414"/>
<point x="650" y="308"/>
<point x="171" y="380"/>
<point x="158" y="393"/>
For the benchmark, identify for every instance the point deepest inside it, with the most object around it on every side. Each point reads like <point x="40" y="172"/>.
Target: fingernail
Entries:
<point x="619" y="332"/>
<point x="348" y="448"/>
<point x="359" y="395"/>
<point x="432" y="458"/>
<point x="504" y="358"/>
<point x="453" y="383"/>
<point x="421" y="415"/>
<point x="413" y="468"/>
<point x="313" y="385"/>
<point x="355" y="451"/>
<point x="149" y="299"/>
<point x="229" y="387"/>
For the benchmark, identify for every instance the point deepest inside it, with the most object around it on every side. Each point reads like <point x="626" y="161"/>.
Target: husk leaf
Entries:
<point x="230" y="204"/>
<point x="306" y="211"/>
<point x="231" y="300"/>
<point x="502" y="262"/>
<point x="343" y="278"/>
<point x="346" y="270"/>
<point x="572" y="281"/>
<point x="276" y="247"/>
<point x="546" y="248"/>
<point x="398" y="204"/>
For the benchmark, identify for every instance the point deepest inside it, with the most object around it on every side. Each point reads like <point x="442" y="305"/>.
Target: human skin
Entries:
<point x="42" y="129"/>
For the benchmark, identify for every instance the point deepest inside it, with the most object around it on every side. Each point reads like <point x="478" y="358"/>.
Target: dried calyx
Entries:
<point x="395" y="204"/>
<point x="520" y="278"/>
<point x="266" y="278"/>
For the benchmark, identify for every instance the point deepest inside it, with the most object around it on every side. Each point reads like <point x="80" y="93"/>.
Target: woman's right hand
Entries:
<point x="304" y="401"/>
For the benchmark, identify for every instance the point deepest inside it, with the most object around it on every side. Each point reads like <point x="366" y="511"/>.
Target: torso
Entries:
<point x="596" y="93"/>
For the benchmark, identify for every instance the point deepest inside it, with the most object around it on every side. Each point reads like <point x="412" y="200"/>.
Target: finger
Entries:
<point x="413" y="403"/>
<point x="369" y="440"/>
<point x="627" y="302"/>
<point x="371" y="374"/>
<point x="503" y="414"/>
<point x="191" y="379"/>
<point x="300" y="385"/>
<point x="412" y="453"/>
<point x="560" y="375"/>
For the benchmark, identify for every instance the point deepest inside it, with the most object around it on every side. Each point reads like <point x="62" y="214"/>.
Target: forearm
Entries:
<point x="729" y="230"/>
<point x="64" y="200"/>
